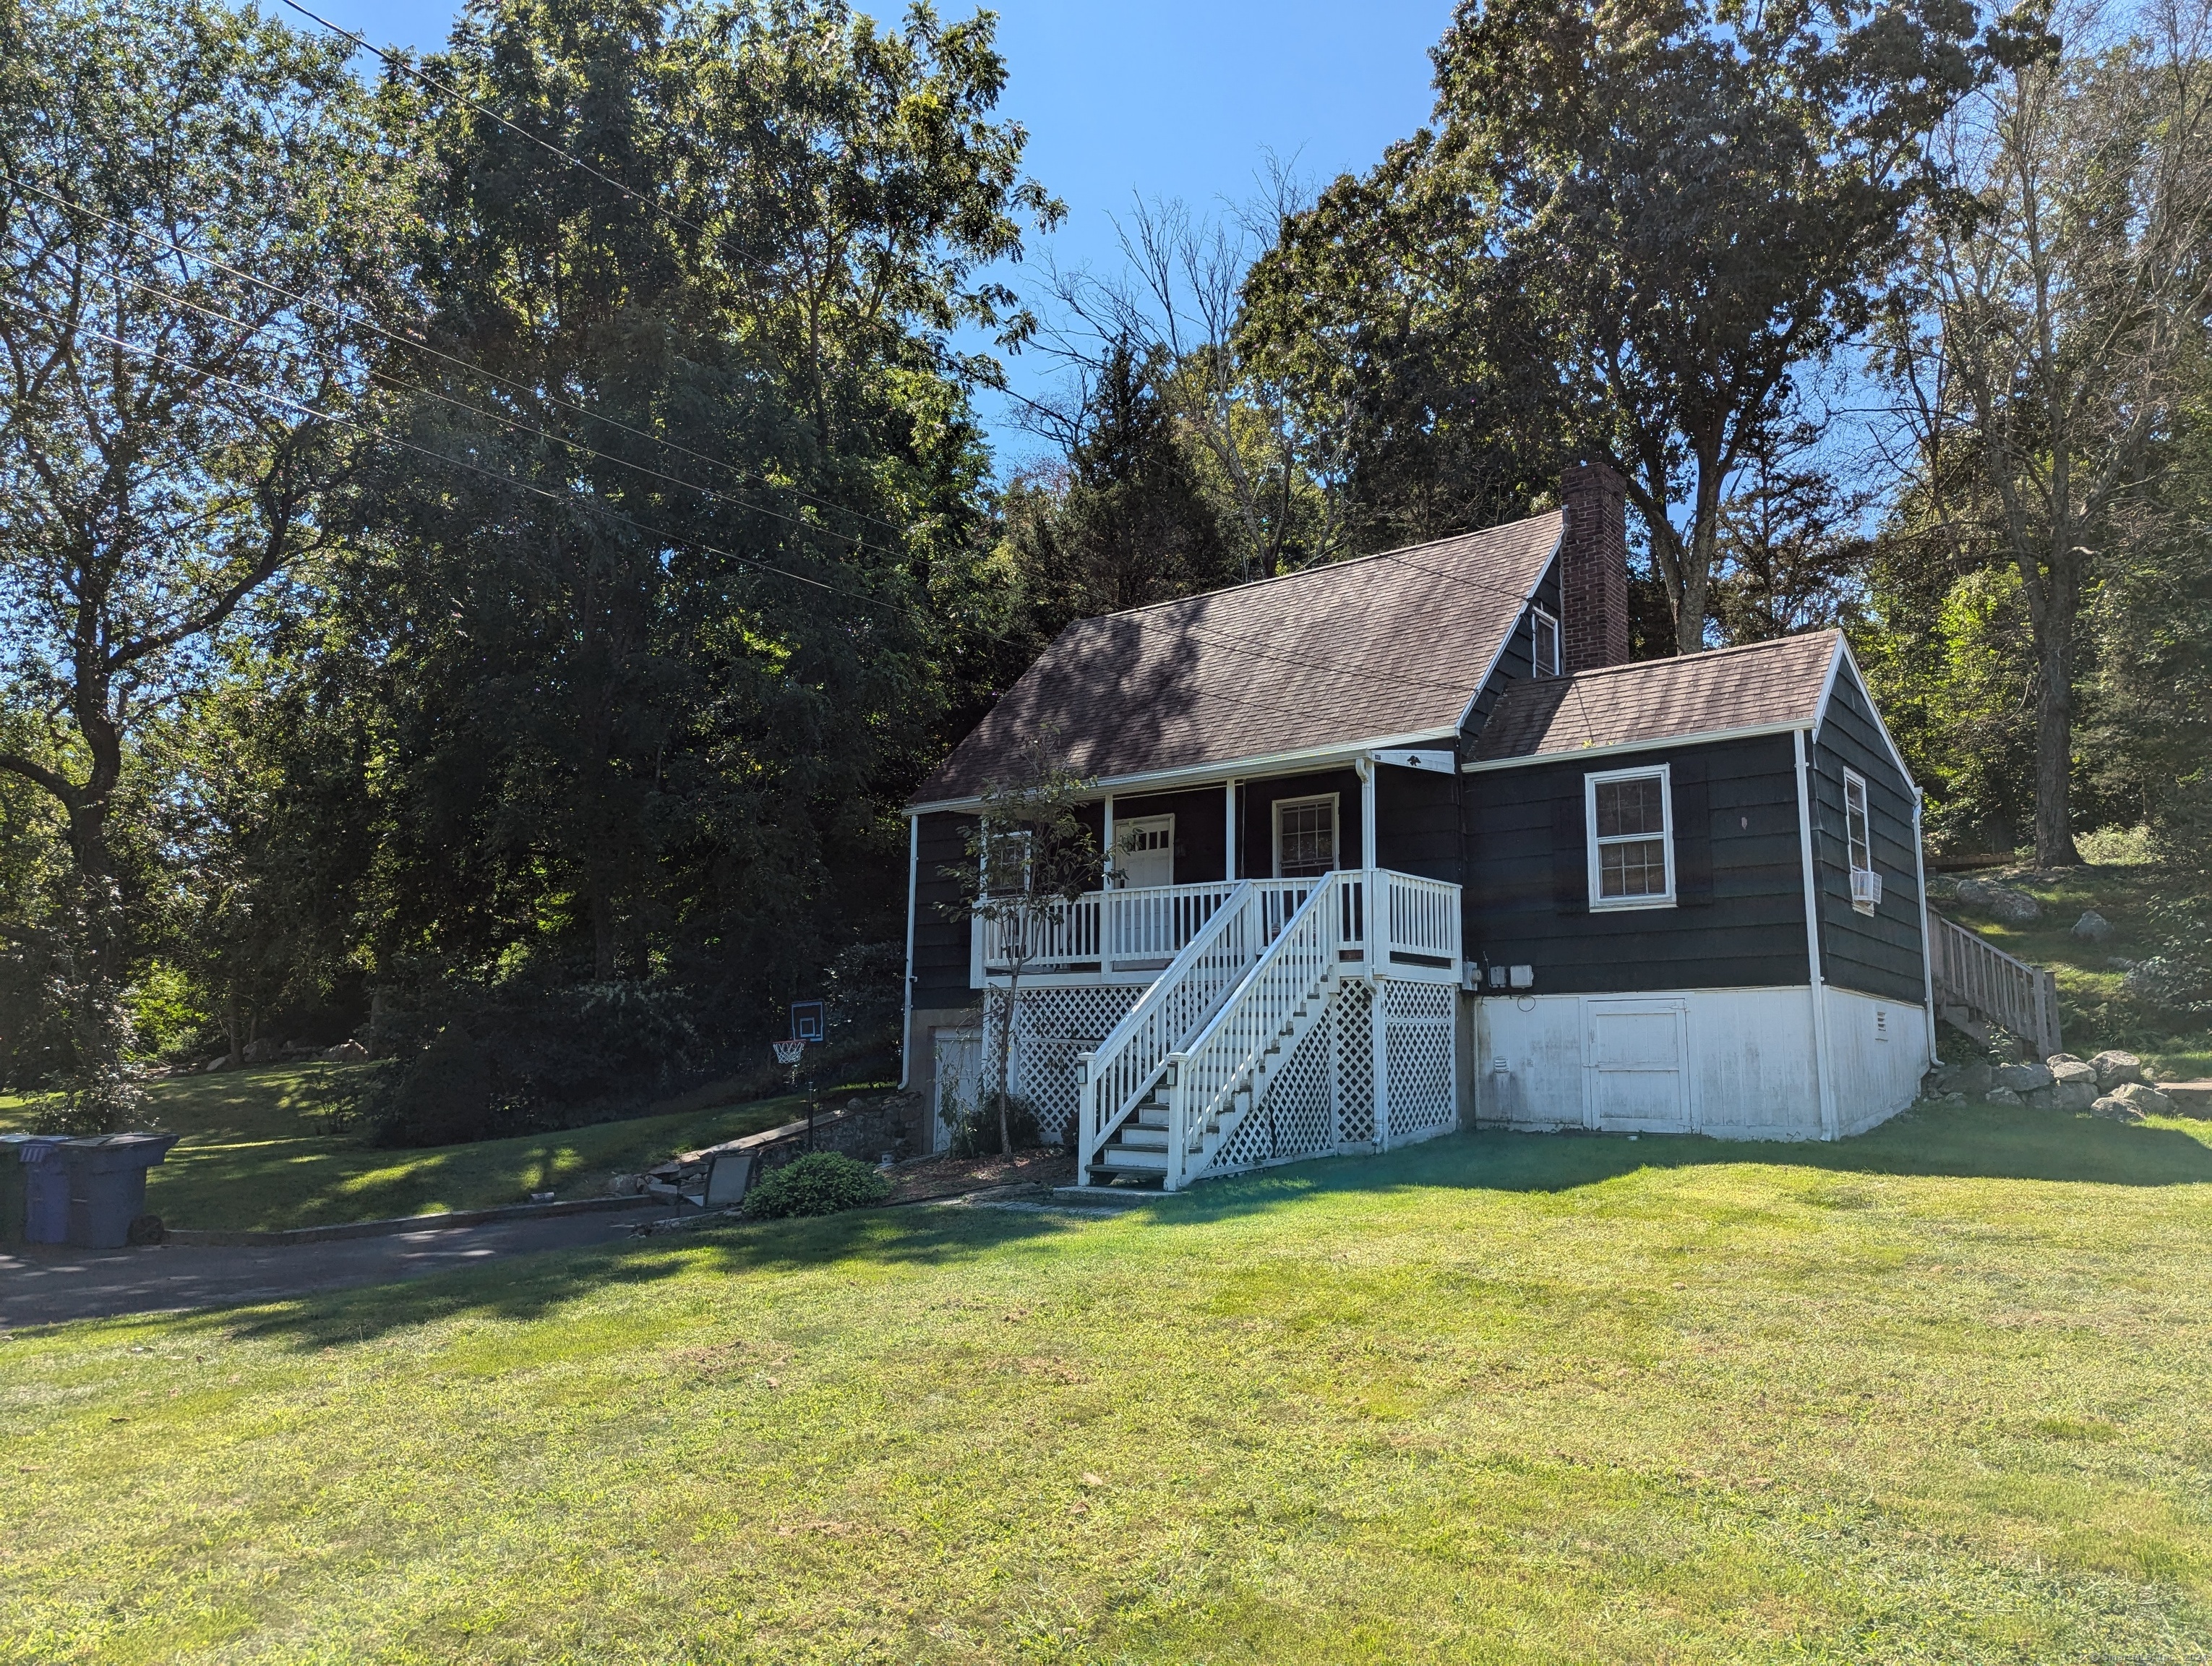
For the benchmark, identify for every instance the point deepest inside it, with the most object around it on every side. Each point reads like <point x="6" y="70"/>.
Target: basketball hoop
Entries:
<point x="787" y="1053"/>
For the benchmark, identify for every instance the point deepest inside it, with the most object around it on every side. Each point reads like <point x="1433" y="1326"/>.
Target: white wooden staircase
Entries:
<point x="1162" y="1094"/>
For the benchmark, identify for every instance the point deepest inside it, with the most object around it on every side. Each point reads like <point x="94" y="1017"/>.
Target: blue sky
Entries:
<point x="1152" y="99"/>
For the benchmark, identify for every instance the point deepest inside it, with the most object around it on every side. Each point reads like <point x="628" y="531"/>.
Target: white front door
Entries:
<point x="1634" y="1069"/>
<point x="959" y="1080"/>
<point x="1144" y="850"/>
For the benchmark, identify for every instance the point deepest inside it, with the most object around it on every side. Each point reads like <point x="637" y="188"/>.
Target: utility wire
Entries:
<point x="522" y="427"/>
<point x="401" y="339"/>
<point x="386" y="437"/>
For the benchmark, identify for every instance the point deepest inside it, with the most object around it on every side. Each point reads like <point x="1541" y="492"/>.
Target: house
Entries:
<point x="1405" y="843"/>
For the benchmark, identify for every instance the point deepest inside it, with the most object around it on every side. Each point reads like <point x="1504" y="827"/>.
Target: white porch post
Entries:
<point x="1379" y="1037"/>
<point x="1229" y="828"/>
<point x="1366" y="769"/>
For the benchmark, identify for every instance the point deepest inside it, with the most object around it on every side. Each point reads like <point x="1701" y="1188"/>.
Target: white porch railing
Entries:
<point x="1132" y="935"/>
<point x="1122" y="1068"/>
<point x="1216" y="1075"/>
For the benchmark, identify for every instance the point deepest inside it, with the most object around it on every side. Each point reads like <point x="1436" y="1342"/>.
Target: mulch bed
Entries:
<point x="940" y="1177"/>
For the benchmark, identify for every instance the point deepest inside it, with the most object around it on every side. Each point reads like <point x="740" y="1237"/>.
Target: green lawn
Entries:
<point x="258" y="1153"/>
<point x="2093" y="1011"/>
<point x="1934" y="1395"/>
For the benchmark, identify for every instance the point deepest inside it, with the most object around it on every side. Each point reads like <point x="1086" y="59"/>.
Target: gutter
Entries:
<point x="1702" y="737"/>
<point x="1813" y="945"/>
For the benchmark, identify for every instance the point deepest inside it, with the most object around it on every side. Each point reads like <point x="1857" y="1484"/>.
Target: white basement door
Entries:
<point x="959" y="1079"/>
<point x="1634" y="1066"/>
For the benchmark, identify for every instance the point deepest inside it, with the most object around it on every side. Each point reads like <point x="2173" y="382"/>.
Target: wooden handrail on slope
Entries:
<point x="1973" y="973"/>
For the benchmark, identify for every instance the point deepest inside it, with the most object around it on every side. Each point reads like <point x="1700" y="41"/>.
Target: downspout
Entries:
<point x="1927" y="950"/>
<point x="1373" y="921"/>
<point x="1812" y="944"/>
<point x="906" y="1024"/>
<point x="1228" y="829"/>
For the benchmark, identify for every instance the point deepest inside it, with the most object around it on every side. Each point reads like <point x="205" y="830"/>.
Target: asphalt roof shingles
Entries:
<point x="1753" y="686"/>
<point x="1382" y="648"/>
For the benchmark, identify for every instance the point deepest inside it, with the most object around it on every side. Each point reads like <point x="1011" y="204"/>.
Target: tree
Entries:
<point x="1030" y="858"/>
<point x="1127" y="522"/>
<point x="1641" y="220"/>
<point x="170" y="417"/>
<point x="2055" y="326"/>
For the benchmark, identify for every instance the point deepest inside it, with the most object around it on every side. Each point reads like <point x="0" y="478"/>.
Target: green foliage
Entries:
<point x="822" y="1182"/>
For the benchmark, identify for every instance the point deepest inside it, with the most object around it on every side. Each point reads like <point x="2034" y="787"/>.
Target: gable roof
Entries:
<point x="1380" y="651"/>
<point x="1779" y="684"/>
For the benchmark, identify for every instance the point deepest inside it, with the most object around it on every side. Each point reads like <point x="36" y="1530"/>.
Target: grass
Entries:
<point x="1933" y="1395"/>
<point x="2094" y="1010"/>
<point x="259" y="1152"/>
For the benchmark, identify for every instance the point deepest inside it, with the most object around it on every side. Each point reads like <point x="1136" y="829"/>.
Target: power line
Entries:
<point x="518" y="424"/>
<point x="388" y="438"/>
<point x="400" y="339"/>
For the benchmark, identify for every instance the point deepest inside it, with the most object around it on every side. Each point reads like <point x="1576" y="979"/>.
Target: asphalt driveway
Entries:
<point x="41" y="1285"/>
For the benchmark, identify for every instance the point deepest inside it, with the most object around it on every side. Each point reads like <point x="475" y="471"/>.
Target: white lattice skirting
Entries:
<point x="1051" y="1028"/>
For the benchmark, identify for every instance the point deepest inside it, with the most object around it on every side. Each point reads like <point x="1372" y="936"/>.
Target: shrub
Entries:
<point x="822" y="1182"/>
<point x="975" y="1128"/>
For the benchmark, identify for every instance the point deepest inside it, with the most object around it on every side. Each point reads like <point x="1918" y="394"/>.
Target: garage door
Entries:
<point x="1634" y="1066"/>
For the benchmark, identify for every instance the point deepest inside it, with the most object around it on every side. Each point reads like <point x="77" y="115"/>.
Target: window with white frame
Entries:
<point x="1858" y="835"/>
<point x="1631" y="839"/>
<point x="1006" y="863"/>
<point x="1543" y="650"/>
<point x="1305" y="837"/>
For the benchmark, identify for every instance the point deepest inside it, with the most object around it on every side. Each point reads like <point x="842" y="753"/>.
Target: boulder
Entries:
<point x="1974" y="1079"/>
<point x="2116" y="1110"/>
<point x="221" y="1061"/>
<point x="346" y="1052"/>
<point x="2040" y="1099"/>
<point x="2144" y="1097"/>
<point x="2001" y="1096"/>
<point x="2078" y="1095"/>
<point x="2093" y="928"/>
<point x="2065" y="1068"/>
<point x="2024" y="1078"/>
<point x="2013" y="907"/>
<point x="2113" y="1067"/>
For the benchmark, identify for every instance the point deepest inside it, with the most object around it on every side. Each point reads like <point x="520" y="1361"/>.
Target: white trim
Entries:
<point x="1812" y="944"/>
<point x="1597" y="778"/>
<point x="1536" y="672"/>
<point x="1615" y="749"/>
<point x="1927" y="954"/>
<point x="913" y="885"/>
<point x="1335" y="827"/>
<point x="1106" y="862"/>
<point x="1843" y="655"/>
<point x="1258" y="767"/>
<point x="1228" y="829"/>
<point x="1439" y="762"/>
<point x="1505" y="641"/>
<point x="1853" y="778"/>
<point x="1366" y="769"/>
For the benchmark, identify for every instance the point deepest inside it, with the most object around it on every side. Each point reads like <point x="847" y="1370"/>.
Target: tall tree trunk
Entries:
<point x="2054" y="727"/>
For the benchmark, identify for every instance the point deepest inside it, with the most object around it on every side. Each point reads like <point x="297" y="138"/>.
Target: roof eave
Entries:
<point x="1237" y="768"/>
<point x="1702" y="737"/>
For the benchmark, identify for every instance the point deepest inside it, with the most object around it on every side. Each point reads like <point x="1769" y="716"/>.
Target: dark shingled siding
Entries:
<point x="1877" y="954"/>
<point x="940" y="943"/>
<point x="1750" y="932"/>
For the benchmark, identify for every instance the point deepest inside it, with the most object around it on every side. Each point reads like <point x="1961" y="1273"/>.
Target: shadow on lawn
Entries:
<point x="1965" y="1142"/>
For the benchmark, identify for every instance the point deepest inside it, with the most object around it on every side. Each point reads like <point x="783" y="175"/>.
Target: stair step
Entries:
<point x="1152" y="1116"/>
<point x="1125" y="1179"/>
<point x="1124" y="1159"/>
<point x="1140" y="1139"/>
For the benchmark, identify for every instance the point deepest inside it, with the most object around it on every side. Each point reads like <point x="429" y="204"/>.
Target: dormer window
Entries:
<point x="1544" y="649"/>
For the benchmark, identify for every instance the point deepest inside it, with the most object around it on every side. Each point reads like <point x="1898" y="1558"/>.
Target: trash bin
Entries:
<point x="107" y="1185"/>
<point x="12" y="1208"/>
<point x="45" y="1189"/>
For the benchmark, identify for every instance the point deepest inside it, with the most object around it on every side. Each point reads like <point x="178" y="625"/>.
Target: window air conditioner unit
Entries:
<point x="1866" y="887"/>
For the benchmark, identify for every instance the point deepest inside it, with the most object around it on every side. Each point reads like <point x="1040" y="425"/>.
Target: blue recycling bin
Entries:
<point x="107" y="1185"/>
<point x="45" y="1190"/>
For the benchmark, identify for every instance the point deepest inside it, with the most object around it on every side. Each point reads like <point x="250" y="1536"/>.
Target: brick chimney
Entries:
<point x="1594" y="566"/>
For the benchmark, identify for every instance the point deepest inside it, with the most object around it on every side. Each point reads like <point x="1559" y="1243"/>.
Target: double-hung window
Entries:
<point x="1543" y="643"/>
<point x="1858" y="835"/>
<point x="1006" y="869"/>
<point x="1631" y="839"/>
<point x="1305" y="837"/>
